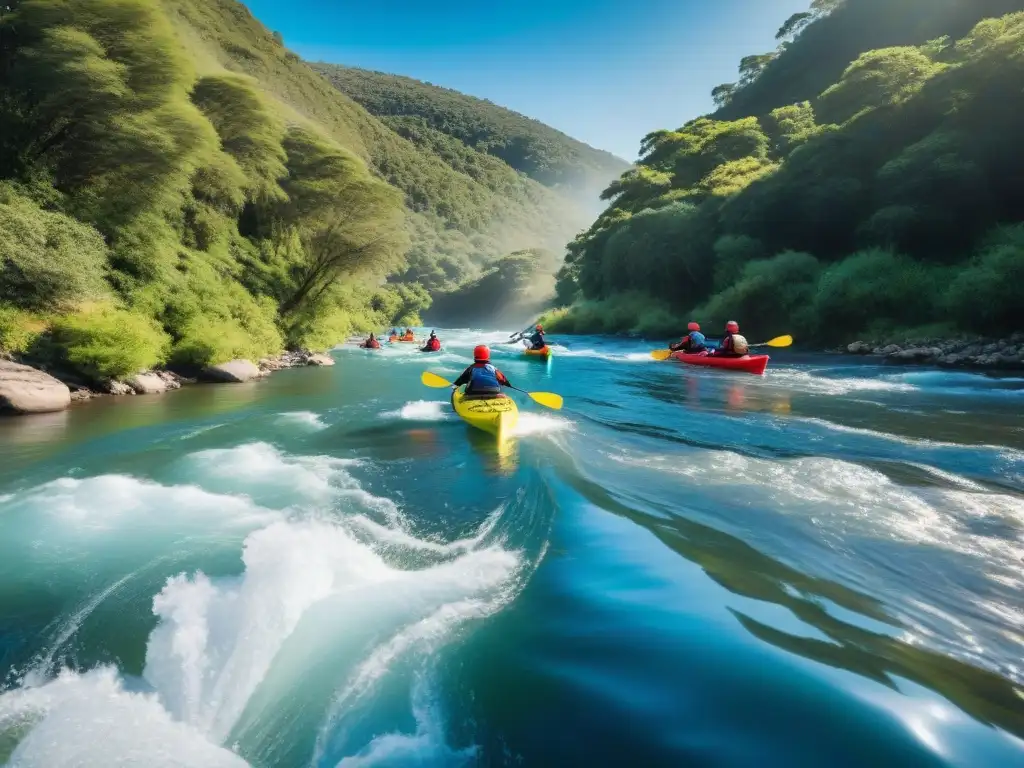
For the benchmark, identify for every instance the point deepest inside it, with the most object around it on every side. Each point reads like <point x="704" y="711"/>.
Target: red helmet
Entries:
<point x="540" y="327"/>
<point x="732" y="326"/>
<point x="693" y="327"/>
<point x="482" y="354"/>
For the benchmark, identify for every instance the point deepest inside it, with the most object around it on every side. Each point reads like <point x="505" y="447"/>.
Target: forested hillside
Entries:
<point x="537" y="150"/>
<point x="178" y="188"/>
<point x="888" y="202"/>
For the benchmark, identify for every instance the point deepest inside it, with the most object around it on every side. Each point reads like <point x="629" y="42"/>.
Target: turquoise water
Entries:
<point x="822" y="567"/>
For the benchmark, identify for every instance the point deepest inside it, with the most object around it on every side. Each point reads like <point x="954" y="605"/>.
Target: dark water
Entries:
<point x="822" y="567"/>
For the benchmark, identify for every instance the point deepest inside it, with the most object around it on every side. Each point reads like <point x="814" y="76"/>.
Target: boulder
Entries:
<point x="858" y="348"/>
<point x="233" y="372"/>
<point x="316" y="359"/>
<point x="148" y="383"/>
<point x="25" y="390"/>
<point x="268" y="364"/>
<point x="878" y="351"/>
<point x="950" y="361"/>
<point x="892" y="349"/>
<point x="117" y="388"/>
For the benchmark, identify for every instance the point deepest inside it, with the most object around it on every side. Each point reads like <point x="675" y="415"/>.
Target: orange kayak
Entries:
<point x="543" y="353"/>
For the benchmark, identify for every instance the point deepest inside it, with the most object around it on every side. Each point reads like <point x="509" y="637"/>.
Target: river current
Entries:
<point x="820" y="567"/>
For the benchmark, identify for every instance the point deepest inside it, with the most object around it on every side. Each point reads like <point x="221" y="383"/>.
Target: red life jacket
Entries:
<point x="434" y="344"/>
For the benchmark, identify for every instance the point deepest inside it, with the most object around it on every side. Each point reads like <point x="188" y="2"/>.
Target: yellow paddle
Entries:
<point x="548" y="399"/>
<point x="778" y="341"/>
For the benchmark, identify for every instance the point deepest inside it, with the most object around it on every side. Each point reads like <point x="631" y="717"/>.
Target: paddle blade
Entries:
<point x="661" y="354"/>
<point x="548" y="399"/>
<point x="779" y="341"/>
<point x="433" y="380"/>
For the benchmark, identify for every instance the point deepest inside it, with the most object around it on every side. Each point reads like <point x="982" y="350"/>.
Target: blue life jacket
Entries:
<point x="483" y="379"/>
<point x="697" y="339"/>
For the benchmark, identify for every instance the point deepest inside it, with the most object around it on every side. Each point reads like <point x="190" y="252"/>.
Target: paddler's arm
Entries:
<point x="464" y="378"/>
<point x="503" y="379"/>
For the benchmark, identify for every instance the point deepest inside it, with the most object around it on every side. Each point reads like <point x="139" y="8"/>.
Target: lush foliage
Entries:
<point x="888" y="201"/>
<point x="529" y="146"/>
<point x="219" y="198"/>
<point x="107" y="343"/>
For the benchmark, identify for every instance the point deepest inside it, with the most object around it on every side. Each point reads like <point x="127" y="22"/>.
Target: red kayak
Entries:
<point x="754" y="364"/>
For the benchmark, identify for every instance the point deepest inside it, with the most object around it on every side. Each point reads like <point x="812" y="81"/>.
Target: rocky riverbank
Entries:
<point x="977" y="353"/>
<point x="25" y="389"/>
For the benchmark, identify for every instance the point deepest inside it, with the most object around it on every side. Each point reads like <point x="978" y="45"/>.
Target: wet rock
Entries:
<point x="951" y="361"/>
<point x="24" y="389"/>
<point x="81" y="395"/>
<point x="233" y="372"/>
<point x="319" y="360"/>
<point x="989" y="349"/>
<point x="892" y="349"/>
<point x="269" y="364"/>
<point x="878" y="351"/>
<point x="858" y="348"/>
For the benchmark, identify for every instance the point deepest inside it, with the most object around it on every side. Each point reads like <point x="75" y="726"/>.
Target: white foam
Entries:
<point x="531" y="423"/>
<point x="426" y="746"/>
<point x="306" y="419"/>
<point x="256" y="468"/>
<point x="804" y="381"/>
<point x="89" y="720"/>
<point x="421" y="410"/>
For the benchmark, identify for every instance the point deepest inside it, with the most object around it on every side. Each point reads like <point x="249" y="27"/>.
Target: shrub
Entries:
<point x="773" y="296"/>
<point x="47" y="259"/>
<point x="985" y="296"/>
<point x="876" y="288"/>
<point x="18" y="329"/>
<point x="105" y="342"/>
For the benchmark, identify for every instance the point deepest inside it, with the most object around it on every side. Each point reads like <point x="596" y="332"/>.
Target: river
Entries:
<point x="821" y="567"/>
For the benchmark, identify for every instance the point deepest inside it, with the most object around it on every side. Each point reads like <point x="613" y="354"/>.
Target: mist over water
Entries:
<point x="823" y="566"/>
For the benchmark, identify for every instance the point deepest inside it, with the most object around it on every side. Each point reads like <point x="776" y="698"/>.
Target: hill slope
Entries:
<point x="886" y="204"/>
<point x="537" y="150"/>
<point x="177" y="187"/>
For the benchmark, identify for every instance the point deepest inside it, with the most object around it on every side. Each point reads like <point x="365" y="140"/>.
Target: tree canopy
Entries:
<point x="870" y="207"/>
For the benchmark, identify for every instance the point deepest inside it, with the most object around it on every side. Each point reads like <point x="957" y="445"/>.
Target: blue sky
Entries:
<point x="604" y="71"/>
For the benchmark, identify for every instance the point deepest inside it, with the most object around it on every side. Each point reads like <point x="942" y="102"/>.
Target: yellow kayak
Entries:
<point x="496" y="415"/>
<point x="543" y="353"/>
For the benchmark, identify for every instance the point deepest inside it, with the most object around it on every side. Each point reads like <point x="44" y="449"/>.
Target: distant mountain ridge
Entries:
<point x="543" y="153"/>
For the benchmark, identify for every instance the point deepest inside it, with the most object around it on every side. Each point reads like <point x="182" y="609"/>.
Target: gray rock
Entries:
<point x="972" y="350"/>
<point x="988" y="349"/>
<point x="950" y="361"/>
<point x="117" y="388"/>
<point x="24" y="389"/>
<point x="149" y="384"/>
<point x="269" y="364"/>
<point x="233" y="372"/>
<point x="878" y="351"/>
<point x="319" y="360"/>
<point x="858" y="348"/>
<point x="892" y="349"/>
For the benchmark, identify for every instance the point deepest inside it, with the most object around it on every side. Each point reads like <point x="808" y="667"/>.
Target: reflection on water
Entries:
<point x="875" y="655"/>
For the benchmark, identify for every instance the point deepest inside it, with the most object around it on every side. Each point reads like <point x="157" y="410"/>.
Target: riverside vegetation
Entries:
<point x="862" y="181"/>
<point x="178" y="189"/>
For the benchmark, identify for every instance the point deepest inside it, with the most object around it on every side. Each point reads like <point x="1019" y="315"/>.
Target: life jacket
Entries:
<point x="372" y="344"/>
<point x="434" y="344"/>
<point x="739" y="344"/>
<point x="483" y="379"/>
<point x="697" y="340"/>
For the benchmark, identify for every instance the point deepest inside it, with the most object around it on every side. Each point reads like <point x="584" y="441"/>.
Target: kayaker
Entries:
<point x="691" y="344"/>
<point x="732" y="344"/>
<point x="433" y="343"/>
<point x="482" y="378"/>
<point x="394" y="331"/>
<point x="537" y="339"/>
<point x="371" y="343"/>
